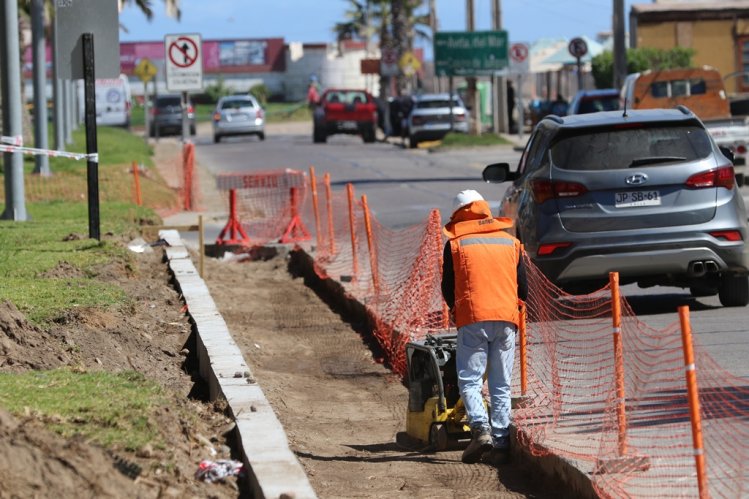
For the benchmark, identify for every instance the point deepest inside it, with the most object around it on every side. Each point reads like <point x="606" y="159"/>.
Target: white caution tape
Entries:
<point x="14" y="141"/>
<point x="51" y="153"/>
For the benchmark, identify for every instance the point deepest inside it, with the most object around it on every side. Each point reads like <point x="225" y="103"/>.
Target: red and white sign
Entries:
<point x="389" y="62"/>
<point x="520" y="56"/>
<point x="183" y="62"/>
<point x="578" y="47"/>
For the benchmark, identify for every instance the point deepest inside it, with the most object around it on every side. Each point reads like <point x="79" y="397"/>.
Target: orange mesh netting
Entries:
<point x="265" y="203"/>
<point x="600" y="387"/>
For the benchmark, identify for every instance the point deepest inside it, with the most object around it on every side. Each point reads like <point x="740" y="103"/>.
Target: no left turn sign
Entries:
<point x="184" y="62"/>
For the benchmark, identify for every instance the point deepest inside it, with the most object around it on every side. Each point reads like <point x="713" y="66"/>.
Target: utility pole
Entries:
<point x="434" y="26"/>
<point x="471" y="81"/>
<point x="620" y="54"/>
<point x="10" y="64"/>
<point x="499" y="87"/>
<point x="40" y="86"/>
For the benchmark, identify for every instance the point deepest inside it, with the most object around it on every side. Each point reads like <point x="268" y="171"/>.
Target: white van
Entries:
<point x="113" y="101"/>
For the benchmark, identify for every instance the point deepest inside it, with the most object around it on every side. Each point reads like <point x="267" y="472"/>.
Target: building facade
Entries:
<point x="718" y="31"/>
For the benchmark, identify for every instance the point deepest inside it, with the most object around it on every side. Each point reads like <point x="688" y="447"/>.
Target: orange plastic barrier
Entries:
<point x="622" y="410"/>
<point x="268" y="204"/>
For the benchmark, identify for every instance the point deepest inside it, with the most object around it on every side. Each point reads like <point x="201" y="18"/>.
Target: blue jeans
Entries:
<point x="492" y="341"/>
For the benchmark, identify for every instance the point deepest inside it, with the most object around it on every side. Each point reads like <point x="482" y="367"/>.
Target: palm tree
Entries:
<point x="172" y="7"/>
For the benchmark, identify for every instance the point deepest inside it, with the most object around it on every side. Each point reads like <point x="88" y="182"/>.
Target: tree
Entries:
<point x="639" y="59"/>
<point x="397" y="23"/>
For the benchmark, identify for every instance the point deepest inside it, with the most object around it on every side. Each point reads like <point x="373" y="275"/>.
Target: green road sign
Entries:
<point x="470" y="53"/>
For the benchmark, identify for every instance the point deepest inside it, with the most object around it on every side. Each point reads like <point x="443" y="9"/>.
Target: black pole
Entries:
<point x="92" y="170"/>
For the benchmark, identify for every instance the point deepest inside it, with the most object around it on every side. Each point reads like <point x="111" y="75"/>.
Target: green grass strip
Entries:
<point x="111" y="409"/>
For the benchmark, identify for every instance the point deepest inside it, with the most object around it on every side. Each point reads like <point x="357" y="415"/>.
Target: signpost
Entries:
<point x="578" y="48"/>
<point x="146" y="71"/>
<point x="470" y="53"/>
<point x="409" y="64"/>
<point x="389" y="62"/>
<point x="184" y="68"/>
<point x="78" y="24"/>
<point x="520" y="61"/>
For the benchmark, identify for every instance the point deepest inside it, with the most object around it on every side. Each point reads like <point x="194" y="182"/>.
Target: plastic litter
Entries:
<point x="214" y="471"/>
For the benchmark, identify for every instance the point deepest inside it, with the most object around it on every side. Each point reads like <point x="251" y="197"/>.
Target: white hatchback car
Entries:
<point x="238" y="115"/>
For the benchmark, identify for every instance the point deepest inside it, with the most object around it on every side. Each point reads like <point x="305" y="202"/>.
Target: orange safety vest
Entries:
<point x="485" y="261"/>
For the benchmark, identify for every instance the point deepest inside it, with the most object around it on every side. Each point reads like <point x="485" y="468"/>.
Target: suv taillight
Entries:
<point x="459" y="116"/>
<point x="189" y="109"/>
<point x="260" y="114"/>
<point x="720" y="177"/>
<point x="543" y="190"/>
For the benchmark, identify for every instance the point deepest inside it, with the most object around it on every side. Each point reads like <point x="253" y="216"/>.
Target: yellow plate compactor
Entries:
<point x="436" y="415"/>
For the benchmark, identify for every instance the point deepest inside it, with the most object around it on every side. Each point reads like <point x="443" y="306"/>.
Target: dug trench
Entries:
<point x="312" y="350"/>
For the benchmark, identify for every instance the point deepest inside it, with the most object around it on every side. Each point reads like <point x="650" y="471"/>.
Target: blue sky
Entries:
<point x="312" y="20"/>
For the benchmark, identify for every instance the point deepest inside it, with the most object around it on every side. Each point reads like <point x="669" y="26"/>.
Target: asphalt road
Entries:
<point x="403" y="185"/>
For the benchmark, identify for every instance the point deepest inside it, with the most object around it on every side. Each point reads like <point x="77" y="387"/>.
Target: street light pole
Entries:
<point x="40" y="86"/>
<point x="10" y="65"/>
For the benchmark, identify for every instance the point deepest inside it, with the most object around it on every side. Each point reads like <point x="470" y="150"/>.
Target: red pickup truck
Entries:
<point x="345" y="111"/>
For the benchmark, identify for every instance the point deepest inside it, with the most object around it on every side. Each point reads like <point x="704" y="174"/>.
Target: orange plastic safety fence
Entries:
<point x="623" y="418"/>
<point x="266" y="202"/>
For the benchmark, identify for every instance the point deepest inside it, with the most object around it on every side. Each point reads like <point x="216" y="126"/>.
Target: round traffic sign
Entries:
<point x="578" y="47"/>
<point x="183" y="52"/>
<point x="518" y="52"/>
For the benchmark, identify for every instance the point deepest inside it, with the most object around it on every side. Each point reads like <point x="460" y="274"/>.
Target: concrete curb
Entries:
<point x="274" y="471"/>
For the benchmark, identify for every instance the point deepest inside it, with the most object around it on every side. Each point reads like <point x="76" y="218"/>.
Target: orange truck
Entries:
<point x="703" y="92"/>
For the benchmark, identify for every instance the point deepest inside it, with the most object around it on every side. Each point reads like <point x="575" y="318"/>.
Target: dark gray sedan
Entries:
<point x="645" y="193"/>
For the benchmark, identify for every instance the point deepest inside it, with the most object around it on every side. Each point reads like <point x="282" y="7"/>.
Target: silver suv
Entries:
<point x="430" y="117"/>
<point x="645" y="193"/>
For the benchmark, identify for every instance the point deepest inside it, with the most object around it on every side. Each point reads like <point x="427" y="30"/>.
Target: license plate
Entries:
<point x="628" y="199"/>
<point x="348" y="125"/>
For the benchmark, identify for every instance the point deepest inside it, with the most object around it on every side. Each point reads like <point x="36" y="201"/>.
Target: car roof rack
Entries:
<point x="684" y="109"/>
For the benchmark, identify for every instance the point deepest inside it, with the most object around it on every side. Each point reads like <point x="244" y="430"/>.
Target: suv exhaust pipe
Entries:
<point x="699" y="268"/>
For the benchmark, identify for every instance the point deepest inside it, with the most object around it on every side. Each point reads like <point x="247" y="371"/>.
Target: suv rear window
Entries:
<point x="433" y="104"/>
<point x="612" y="149"/>
<point x="168" y="101"/>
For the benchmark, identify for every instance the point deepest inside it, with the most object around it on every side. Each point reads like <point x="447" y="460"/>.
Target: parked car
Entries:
<point x="430" y="117"/>
<point x="238" y="115"/>
<point x="347" y="111"/>
<point x="593" y="101"/>
<point x="166" y="115"/>
<point x="647" y="194"/>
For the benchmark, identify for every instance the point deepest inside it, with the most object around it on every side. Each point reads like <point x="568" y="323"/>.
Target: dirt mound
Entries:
<point x="33" y="460"/>
<point x="23" y="346"/>
<point x="147" y="334"/>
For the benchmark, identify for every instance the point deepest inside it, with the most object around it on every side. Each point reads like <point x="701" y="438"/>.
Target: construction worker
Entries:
<point x="483" y="279"/>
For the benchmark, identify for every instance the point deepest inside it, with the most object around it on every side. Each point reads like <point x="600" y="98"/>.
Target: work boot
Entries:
<point x="481" y="442"/>
<point x="499" y="454"/>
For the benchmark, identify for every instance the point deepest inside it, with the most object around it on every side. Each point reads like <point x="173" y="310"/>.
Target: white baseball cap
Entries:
<point x="465" y="197"/>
